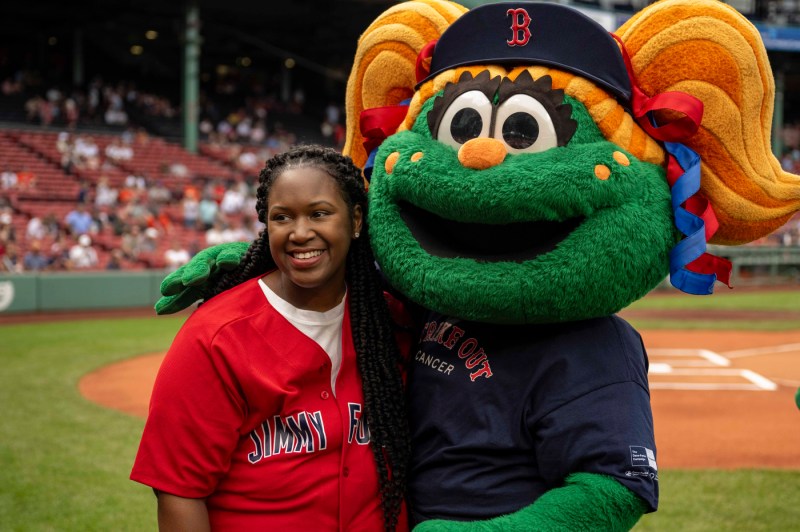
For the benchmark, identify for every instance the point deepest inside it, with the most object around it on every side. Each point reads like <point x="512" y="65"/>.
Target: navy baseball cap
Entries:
<point x="511" y="33"/>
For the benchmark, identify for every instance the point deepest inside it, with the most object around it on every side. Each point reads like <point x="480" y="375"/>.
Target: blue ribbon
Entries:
<point x="692" y="226"/>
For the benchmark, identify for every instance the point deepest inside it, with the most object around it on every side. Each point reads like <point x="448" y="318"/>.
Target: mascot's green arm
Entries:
<point x="189" y="283"/>
<point x="586" y="502"/>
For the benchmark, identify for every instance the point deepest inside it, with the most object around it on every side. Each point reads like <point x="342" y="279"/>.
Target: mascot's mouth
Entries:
<point x="512" y="242"/>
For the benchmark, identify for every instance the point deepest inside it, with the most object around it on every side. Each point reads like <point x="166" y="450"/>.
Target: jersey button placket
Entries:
<point x="324" y="394"/>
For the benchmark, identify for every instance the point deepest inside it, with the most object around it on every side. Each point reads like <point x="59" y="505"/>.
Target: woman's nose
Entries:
<point x="482" y="153"/>
<point x="302" y="231"/>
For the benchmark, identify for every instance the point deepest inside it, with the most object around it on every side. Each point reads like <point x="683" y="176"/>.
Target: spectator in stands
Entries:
<point x="159" y="218"/>
<point x="105" y="219"/>
<point x="50" y="222"/>
<point x="258" y="133"/>
<point x="208" y="211"/>
<point x="216" y="234"/>
<point x="115" y="114"/>
<point x="10" y="261"/>
<point x="176" y="256"/>
<point x="71" y="112"/>
<point x="66" y="147"/>
<point x="82" y="255"/>
<point x="247" y="161"/>
<point x="251" y="227"/>
<point x="234" y="231"/>
<point x="131" y="242"/>
<point x="8" y="232"/>
<point x="63" y="142"/>
<point x="150" y="240"/>
<point x="176" y="170"/>
<point x="59" y="252"/>
<point x="105" y="195"/>
<point x="35" y="230"/>
<point x="115" y="260"/>
<point x="191" y="210"/>
<point x="87" y="153"/>
<point x="135" y="212"/>
<point x="26" y="179"/>
<point x="8" y="179"/>
<point x="84" y="191"/>
<point x="35" y="260"/>
<point x="117" y="151"/>
<point x="159" y="193"/>
<point x="233" y="199"/>
<point x="78" y="220"/>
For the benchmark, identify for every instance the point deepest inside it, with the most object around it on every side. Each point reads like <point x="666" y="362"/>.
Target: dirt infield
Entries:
<point x="721" y="399"/>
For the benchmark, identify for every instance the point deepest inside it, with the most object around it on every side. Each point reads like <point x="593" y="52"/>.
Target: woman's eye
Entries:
<point x="524" y="125"/>
<point x="467" y="117"/>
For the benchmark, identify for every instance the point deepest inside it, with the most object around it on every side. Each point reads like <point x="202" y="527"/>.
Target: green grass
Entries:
<point x="724" y="304"/>
<point x="725" y="501"/>
<point x="722" y="299"/>
<point x="716" y="325"/>
<point x="64" y="462"/>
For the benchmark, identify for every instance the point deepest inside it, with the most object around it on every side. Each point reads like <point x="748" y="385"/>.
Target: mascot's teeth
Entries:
<point x="307" y="255"/>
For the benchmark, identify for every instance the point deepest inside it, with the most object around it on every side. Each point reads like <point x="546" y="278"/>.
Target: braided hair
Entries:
<point x="377" y="355"/>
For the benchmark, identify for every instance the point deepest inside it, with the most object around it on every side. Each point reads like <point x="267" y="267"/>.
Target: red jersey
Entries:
<point x="242" y="413"/>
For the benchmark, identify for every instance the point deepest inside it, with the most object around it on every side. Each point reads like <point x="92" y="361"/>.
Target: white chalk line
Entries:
<point x="703" y="363"/>
<point x="768" y="350"/>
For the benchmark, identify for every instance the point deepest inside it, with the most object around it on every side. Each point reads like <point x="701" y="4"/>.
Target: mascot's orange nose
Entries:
<point x="482" y="153"/>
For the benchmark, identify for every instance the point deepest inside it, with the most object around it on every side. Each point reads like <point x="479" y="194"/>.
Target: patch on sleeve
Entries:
<point x="644" y="457"/>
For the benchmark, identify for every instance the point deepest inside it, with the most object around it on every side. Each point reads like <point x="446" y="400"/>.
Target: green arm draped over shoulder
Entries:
<point x="190" y="282"/>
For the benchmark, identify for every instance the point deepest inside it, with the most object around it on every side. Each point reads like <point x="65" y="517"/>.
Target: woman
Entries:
<point x="257" y="419"/>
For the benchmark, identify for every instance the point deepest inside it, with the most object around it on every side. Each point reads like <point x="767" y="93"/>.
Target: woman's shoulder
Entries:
<point x="237" y="303"/>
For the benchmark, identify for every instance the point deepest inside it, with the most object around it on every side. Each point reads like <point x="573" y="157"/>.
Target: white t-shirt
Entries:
<point x="325" y="328"/>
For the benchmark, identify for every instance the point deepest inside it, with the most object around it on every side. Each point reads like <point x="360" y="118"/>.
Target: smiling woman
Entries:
<point x="292" y="377"/>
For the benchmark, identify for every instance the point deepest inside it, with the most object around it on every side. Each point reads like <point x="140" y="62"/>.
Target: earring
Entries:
<point x="356" y="235"/>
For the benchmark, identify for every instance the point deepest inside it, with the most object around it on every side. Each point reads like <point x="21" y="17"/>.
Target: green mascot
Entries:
<point x="531" y="174"/>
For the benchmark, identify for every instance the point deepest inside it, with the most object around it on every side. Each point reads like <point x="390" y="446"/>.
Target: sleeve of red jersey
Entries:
<point x="195" y="414"/>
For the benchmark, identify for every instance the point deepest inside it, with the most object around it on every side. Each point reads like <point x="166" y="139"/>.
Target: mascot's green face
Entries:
<point x="563" y="226"/>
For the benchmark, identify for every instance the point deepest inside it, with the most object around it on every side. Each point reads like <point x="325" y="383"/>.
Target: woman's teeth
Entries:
<point x="307" y="254"/>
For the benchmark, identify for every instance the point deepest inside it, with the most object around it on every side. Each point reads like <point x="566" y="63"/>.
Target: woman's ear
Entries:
<point x="358" y="219"/>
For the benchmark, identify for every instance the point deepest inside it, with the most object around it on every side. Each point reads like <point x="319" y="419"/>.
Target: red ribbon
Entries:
<point x="423" y="66"/>
<point x="377" y="123"/>
<point x="642" y="106"/>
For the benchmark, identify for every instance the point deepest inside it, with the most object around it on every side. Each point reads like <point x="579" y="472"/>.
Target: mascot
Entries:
<point x="532" y="174"/>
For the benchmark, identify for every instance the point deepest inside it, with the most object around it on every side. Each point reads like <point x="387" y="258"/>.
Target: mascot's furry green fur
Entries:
<point x="521" y="189"/>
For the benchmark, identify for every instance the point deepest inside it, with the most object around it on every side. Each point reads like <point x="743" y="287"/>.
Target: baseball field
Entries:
<point x="723" y="373"/>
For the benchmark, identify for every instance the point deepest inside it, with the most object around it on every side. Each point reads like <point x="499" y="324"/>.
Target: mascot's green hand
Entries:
<point x="188" y="283"/>
<point x="586" y="502"/>
<point x="797" y="398"/>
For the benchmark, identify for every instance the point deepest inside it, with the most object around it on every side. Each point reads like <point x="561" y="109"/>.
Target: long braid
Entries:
<point x="377" y="355"/>
<point x="378" y="361"/>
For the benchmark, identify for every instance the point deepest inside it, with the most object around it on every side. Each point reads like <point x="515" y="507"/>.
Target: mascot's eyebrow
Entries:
<point x="483" y="82"/>
<point x="551" y="99"/>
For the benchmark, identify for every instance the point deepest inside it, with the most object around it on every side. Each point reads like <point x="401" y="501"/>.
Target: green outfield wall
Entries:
<point x="78" y="291"/>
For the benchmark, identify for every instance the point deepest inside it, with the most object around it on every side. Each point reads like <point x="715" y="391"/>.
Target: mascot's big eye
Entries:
<point x="524" y="125"/>
<point x="468" y="117"/>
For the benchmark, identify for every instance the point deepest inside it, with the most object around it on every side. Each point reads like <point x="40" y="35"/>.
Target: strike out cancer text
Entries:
<point x="452" y="337"/>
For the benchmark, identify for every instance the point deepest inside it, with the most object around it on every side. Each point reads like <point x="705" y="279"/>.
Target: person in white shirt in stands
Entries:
<point x="176" y="256"/>
<point x="8" y="179"/>
<point x="83" y="255"/>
